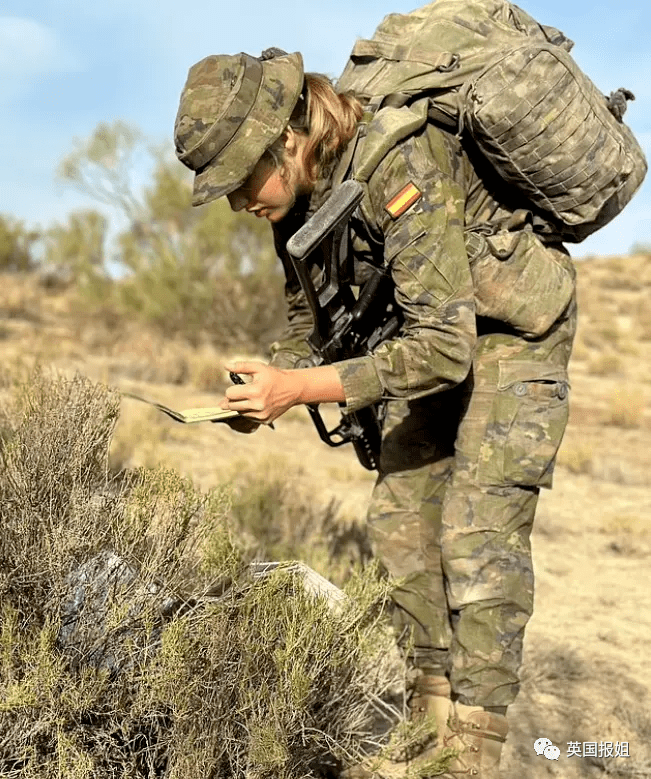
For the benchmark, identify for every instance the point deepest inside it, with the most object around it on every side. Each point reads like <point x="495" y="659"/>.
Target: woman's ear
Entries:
<point x="290" y="142"/>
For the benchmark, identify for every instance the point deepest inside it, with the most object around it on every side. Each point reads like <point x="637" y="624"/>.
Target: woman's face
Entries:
<point x="269" y="192"/>
<point x="265" y="193"/>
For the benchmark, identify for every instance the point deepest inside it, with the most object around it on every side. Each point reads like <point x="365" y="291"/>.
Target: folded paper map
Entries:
<point x="188" y="416"/>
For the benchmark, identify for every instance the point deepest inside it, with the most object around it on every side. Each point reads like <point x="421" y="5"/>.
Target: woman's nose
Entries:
<point x="238" y="200"/>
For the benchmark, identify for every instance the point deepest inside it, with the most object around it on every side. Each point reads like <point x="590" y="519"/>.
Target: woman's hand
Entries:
<point x="267" y="396"/>
<point x="273" y="391"/>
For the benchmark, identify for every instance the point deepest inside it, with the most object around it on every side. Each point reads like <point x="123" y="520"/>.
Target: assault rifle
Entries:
<point x="346" y="324"/>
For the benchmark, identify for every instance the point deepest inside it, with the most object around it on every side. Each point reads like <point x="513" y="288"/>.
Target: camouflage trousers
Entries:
<point x="452" y="511"/>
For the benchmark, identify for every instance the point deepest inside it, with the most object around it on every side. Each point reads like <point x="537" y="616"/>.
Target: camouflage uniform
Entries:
<point x="474" y="386"/>
<point x="475" y="408"/>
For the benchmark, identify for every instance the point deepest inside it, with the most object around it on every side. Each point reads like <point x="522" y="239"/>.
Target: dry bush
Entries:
<point x="134" y="642"/>
<point x="279" y="518"/>
<point x="21" y="297"/>
<point x="625" y="409"/>
<point x="578" y="459"/>
<point x="205" y="370"/>
<point x="605" y="364"/>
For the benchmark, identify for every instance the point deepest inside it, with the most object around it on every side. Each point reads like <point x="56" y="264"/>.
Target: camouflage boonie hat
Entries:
<point x="233" y="107"/>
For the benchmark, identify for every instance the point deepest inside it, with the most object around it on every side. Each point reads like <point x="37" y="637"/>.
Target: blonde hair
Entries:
<point x="327" y="118"/>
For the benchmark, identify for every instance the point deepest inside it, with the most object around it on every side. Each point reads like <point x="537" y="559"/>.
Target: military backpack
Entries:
<point x="490" y="69"/>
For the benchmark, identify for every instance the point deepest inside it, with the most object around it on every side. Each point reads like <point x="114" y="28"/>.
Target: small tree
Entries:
<point x="641" y="247"/>
<point x="76" y="251"/>
<point x="16" y="245"/>
<point x="102" y="165"/>
<point x="203" y="272"/>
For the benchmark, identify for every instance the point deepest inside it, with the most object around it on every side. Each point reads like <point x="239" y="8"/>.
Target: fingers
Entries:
<point x="262" y="397"/>
<point x="243" y="405"/>
<point x="247" y="367"/>
<point x="247" y="397"/>
<point x="240" y="397"/>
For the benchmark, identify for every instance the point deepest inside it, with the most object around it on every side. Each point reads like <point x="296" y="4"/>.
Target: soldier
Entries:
<point x="476" y="398"/>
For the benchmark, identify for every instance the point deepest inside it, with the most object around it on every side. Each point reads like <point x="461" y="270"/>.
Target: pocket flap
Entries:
<point x="512" y="371"/>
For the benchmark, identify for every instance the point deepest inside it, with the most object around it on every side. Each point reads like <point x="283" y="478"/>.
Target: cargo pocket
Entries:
<point x="526" y="425"/>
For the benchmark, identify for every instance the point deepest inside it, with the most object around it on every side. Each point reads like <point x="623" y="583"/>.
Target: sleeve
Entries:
<point x="292" y="344"/>
<point x="416" y="203"/>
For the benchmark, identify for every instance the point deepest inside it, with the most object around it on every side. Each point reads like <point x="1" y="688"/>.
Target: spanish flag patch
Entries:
<point x="400" y="203"/>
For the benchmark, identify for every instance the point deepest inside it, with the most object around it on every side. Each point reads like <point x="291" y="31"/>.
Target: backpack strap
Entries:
<point x="443" y="61"/>
<point x="384" y="131"/>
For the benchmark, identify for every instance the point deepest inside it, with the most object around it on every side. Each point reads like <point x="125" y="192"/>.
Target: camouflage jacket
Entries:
<point x="420" y="194"/>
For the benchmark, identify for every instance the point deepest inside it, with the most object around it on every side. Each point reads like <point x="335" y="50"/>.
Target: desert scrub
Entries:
<point x="134" y="640"/>
<point x="605" y="364"/>
<point x="577" y="458"/>
<point x="625" y="408"/>
<point x="278" y="516"/>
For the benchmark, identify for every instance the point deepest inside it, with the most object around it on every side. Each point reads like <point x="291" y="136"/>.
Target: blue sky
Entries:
<point x="66" y="65"/>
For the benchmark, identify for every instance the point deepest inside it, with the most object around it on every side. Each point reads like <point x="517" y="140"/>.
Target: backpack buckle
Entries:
<point x="452" y="65"/>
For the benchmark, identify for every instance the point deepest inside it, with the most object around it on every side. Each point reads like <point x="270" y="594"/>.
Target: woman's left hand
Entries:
<point x="271" y="392"/>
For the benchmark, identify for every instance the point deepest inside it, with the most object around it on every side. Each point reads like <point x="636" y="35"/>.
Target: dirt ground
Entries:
<point x="586" y="672"/>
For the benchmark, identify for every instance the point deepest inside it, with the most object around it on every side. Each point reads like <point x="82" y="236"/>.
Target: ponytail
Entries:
<point x="327" y="118"/>
<point x="331" y="122"/>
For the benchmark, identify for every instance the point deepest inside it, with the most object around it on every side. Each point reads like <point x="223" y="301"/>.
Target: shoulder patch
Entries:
<point x="400" y="203"/>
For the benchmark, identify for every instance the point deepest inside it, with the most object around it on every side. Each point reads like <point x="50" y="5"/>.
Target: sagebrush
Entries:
<point x="135" y="643"/>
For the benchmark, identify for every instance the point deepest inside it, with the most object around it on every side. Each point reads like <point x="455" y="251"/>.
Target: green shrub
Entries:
<point x="206" y="274"/>
<point x="16" y="245"/>
<point x="134" y="640"/>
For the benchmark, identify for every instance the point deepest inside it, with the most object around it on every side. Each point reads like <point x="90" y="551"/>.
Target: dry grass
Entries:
<point x="21" y="298"/>
<point x="641" y="312"/>
<point x="569" y="694"/>
<point x="138" y="441"/>
<point x="605" y="364"/>
<point x="583" y="460"/>
<point x="629" y="524"/>
<point x="277" y="516"/>
<point x="628" y="535"/>
<point x="626" y="409"/>
<point x="578" y="459"/>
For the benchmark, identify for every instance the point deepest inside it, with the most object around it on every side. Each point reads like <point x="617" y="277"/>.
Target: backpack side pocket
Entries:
<point x="518" y="281"/>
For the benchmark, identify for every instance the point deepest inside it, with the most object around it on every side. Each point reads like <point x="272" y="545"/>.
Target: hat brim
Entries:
<point x="280" y="88"/>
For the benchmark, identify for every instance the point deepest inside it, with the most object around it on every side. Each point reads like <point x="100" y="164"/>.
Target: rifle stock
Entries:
<point x="345" y="325"/>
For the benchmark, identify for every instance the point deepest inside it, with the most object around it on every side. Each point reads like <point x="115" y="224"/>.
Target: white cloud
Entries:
<point x="29" y="49"/>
